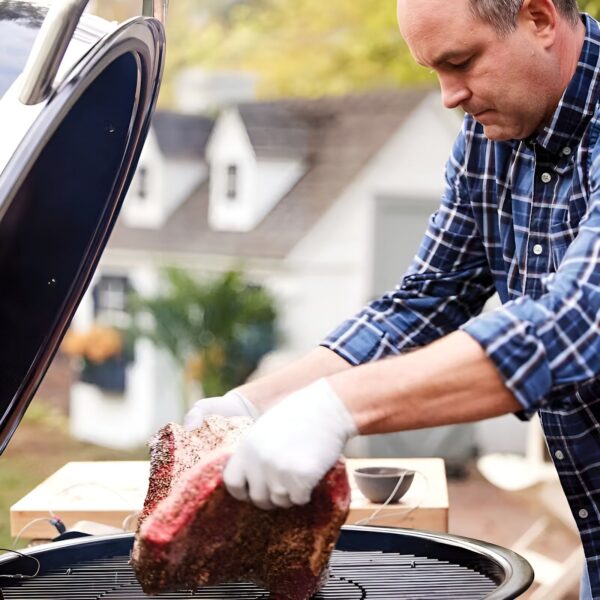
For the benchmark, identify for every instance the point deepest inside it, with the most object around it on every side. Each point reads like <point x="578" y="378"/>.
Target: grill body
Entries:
<point x="368" y="563"/>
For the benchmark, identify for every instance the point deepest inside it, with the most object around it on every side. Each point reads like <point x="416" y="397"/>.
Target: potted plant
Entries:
<point x="102" y="356"/>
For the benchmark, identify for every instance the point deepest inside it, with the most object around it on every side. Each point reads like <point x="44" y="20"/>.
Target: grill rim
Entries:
<point x="517" y="572"/>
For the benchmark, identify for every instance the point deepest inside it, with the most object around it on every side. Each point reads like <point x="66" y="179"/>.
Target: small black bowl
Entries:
<point x="377" y="483"/>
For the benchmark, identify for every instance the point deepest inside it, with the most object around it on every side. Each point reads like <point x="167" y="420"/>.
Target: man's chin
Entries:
<point x="502" y="130"/>
<point x="496" y="133"/>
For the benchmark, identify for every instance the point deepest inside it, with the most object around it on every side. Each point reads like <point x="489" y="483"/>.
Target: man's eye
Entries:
<point x="461" y="65"/>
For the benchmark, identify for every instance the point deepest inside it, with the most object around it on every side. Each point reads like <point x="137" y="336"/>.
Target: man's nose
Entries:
<point x="454" y="92"/>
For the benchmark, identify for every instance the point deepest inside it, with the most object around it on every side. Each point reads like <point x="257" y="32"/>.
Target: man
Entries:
<point x="520" y="215"/>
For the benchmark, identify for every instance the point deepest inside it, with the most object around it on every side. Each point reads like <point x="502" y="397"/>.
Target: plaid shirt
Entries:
<point x="521" y="218"/>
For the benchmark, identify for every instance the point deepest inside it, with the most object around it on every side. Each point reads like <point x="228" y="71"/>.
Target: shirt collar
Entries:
<point x="579" y="100"/>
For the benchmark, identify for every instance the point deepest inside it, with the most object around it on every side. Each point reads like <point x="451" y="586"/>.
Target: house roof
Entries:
<point x="274" y="130"/>
<point x="342" y="135"/>
<point x="181" y="136"/>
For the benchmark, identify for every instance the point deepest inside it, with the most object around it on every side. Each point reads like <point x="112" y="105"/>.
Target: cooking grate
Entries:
<point x="354" y="576"/>
<point x="372" y="563"/>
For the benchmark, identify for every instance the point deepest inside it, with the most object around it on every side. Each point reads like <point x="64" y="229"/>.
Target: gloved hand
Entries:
<point x="285" y="454"/>
<point x="232" y="404"/>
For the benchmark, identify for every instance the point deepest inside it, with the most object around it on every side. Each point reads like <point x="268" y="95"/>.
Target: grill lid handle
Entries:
<point x="52" y="42"/>
<point x="156" y="9"/>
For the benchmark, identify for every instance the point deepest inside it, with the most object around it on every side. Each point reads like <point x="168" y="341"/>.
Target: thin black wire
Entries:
<point x="20" y="575"/>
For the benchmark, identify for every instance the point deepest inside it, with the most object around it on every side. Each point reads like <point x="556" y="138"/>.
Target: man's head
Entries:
<point x="506" y="62"/>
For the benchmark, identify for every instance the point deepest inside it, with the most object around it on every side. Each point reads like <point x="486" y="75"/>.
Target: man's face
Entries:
<point x="505" y="82"/>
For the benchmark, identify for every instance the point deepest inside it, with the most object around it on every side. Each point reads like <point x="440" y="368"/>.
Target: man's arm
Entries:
<point x="449" y="381"/>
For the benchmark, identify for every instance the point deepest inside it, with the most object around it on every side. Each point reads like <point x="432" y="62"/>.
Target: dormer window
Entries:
<point x="232" y="183"/>
<point x="142" y="177"/>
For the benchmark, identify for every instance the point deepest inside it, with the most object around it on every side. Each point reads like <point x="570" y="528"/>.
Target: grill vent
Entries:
<point x="354" y="576"/>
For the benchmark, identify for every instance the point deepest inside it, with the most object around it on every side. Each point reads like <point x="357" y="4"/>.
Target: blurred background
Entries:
<point x="292" y="164"/>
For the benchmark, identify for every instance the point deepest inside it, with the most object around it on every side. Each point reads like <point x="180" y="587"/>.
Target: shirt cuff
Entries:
<point x="358" y="341"/>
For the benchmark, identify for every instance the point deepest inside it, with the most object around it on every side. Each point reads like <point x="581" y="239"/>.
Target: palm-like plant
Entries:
<point x="218" y="330"/>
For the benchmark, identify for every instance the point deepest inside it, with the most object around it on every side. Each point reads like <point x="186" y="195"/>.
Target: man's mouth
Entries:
<point x="484" y="116"/>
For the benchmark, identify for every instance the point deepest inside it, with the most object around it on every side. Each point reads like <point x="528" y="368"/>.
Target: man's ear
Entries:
<point x="540" y="17"/>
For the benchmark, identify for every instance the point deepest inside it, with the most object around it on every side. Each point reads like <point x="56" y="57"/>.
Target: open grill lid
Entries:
<point x="74" y="119"/>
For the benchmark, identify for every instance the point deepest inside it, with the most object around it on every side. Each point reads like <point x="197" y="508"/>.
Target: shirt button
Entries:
<point x="567" y="151"/>
<point x="538" y="249"/>
<point x="583" y="513"/>
<point x="546" y="177"/>
<point x="559" y="455"/>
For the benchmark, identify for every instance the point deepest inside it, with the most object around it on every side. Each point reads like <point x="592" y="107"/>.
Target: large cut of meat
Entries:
<point x="194" y="533"/>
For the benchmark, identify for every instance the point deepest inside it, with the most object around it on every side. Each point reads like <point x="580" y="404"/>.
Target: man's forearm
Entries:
<point x="268" y="390"/>
<point x="449" y="381"/>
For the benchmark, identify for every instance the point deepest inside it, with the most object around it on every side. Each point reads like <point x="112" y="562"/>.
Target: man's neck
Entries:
<point x="570" y="44"/>
<point x="567" y="50"/>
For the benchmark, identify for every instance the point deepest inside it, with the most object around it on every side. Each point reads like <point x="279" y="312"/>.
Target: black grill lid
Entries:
<point x="61" y="190"/>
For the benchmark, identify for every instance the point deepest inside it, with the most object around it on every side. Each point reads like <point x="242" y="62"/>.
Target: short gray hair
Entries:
<point x="502" y="14"/>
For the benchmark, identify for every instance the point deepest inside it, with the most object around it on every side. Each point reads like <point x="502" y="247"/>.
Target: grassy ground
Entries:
<point x="40" y="446"/>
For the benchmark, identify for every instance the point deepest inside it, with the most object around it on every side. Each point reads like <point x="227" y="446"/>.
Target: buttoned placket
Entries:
<point x="537" y="257"/>
<point x="563" y="464"/>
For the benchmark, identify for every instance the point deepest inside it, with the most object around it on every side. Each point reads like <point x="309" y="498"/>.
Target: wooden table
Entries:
<point x="112" y="493"/>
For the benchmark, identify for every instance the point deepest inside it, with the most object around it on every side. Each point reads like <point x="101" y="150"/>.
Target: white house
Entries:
<point x="322" y="201"/>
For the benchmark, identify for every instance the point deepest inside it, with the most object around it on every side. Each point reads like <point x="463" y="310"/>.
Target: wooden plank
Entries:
<point x="108" y="492"/>
<point x="112" y="492"/>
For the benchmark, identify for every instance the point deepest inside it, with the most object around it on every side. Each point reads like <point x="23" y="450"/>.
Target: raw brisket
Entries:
<point x="194" y="533"/>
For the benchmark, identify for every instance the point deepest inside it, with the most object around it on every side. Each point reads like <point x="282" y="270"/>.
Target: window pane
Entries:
<point x="232" y="181"/>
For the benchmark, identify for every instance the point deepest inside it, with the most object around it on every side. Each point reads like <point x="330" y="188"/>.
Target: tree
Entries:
<point x="296" y="48"/>
<point x="300" y="48"/>
<point x="217" y="330"/>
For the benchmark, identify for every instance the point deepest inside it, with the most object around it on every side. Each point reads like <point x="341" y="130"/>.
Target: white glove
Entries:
<point x="232" y="404"/>
<point x="285" y="454"/>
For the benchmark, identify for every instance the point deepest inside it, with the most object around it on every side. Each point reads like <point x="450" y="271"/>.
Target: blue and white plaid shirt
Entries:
<point x="521" y="218"/>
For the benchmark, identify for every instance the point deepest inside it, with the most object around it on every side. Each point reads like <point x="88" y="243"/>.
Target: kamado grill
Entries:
<point x="76" y="97"/>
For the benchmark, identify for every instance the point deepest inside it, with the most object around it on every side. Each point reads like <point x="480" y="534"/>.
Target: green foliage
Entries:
<point x="590" y="6"/>
<point x="296" y="48"/>
<point x="300" y="48"/>
<point x="217" y="330"/>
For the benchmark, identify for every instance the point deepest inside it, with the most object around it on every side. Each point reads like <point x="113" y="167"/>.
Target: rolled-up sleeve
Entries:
<point x="552" y="343"/>
<point x="447" y="283"/>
